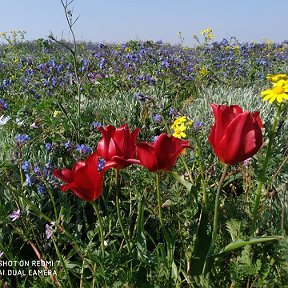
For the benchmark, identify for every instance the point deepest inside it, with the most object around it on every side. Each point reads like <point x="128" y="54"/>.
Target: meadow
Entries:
<point x="143" y="164"/>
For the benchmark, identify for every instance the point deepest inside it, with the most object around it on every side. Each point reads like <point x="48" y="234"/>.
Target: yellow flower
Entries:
<point x="202" y="72"/>
<point x="277" y="77"/>
<point x="179" y="126"/>
<point x="179" y="131"/>
<point x="278" y="92"/>
<point x="207" y="33"/>
<point x="57" y="113"/>
<point x="127" y="50"/>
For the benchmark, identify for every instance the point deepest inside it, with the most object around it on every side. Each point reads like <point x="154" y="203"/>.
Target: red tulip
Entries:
<point x="162" y="154"/>
<point x="236" y="135"/>
<point x="117" y="146"/>
<point x="84" y="179"/>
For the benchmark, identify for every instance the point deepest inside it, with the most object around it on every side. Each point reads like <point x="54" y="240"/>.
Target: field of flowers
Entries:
<point x="143" y="164"/>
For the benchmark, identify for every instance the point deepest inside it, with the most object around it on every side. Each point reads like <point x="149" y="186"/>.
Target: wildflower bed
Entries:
<point x="153" y="195"/>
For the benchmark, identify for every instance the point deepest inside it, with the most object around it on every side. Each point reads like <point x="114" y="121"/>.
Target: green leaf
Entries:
<point x="201" y="245"/>
<point x="241" y="243"/>
<point x="188" y="185"/>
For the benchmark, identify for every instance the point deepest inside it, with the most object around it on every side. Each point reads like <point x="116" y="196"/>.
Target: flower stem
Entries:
<point x="209" y="261"/>
<point x="166" y="236"/>
<point x="201" y="167"/>
<point x="187" y="169"/>
<point x="264" y="168"/>
<point x="99" y="217"/>
<point x="118" y="210"/>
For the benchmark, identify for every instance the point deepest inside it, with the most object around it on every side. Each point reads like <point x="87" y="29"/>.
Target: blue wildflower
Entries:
<point x="157" y="118"/>
<point x="198" y="125"/>
<point x="68" y="145"/>
<point x="15" y="215"/>
<point x="28" y="180"/>
<point x="37" y="169"/>
<point x="25" y="165"/>
<point x="165" y="64"/>
<point x="48" y="165"/>
<point x="3" y="105"/>
<point x="83" y="149"/>
<point x="48" y="231"/>
<point x="47" y="169"/>
<point x="48" y="146"/>
<point x="22" y="139"/>
<point x="102" y="63"/>
<point x="172" y="111"/>
<point x="95" y="125"/>
<point x="101" y="164"/>
<point x="41" y="189"/>
<point x="140" y="97"/>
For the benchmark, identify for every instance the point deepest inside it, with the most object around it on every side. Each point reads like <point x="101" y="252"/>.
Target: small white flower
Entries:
<point x="4" y="120"/>
<point x="19" y="122"/>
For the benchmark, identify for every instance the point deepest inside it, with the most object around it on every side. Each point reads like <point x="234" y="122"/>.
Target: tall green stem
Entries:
<point x="208" y="263"/>
<point x="118" y="188"/>
<point x="264" y="168"/>
<point x="201" y="167"/>
<point x="100" y="220"/>
<point x="166" y="236"/>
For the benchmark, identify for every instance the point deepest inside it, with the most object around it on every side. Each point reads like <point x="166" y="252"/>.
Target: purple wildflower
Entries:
<point x="83" y="149"/>
<point x="15" y="215"/>
<point x="198" y="125"/>
<point x="48" y="146"/>
<point x="25" y="165"/>
<point x="21" y="139"/>
<point x="95" y="125"/>
<point x="157" y="118"/>
<point x="101" y="164"/>
<point x="3" y="105"/>
<point x="68" y="145"/>
<point x="48" y="231"/>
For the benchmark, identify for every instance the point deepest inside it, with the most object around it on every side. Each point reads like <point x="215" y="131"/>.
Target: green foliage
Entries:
<point x="61" y="228"/>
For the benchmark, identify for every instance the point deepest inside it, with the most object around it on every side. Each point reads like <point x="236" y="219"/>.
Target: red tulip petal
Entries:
<point x="77" y="166"/>
<point x="104" y="147"/>
<point x="89" y="180"/>
<point x="168" y="149"/>
<point x="223" y="116"/>
<point x="256" y="116"/>
<point x="64" y="174"/>
<point x="135" y="134"/>
<point x="109" y="164"/>
<point x="147" y="156"/>
<point x="243" y="138"/>
<point x="123" y="142"/>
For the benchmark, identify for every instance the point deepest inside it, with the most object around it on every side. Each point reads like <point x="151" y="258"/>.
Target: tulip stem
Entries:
<point x="187" y="169"/>
<point x="209" y="261"/>
<point x="166" y="236"/>
<point x="201" y="167"/>
<point x="100" y="220"/>
<point x="264" y="168"/>
<point x="118" y="210"/>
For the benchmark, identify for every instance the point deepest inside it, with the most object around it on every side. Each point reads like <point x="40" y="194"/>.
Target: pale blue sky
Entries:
<point x="123" y="20"/>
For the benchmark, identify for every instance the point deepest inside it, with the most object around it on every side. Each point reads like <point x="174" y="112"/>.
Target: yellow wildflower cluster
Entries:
<point x="179" y="127"/>
<point x="279" y="91"/>
<point x="57" y="113"/>
<point x="202" y="73"/>
<point x="207" y="33"/>
<point x="277" y="77"/>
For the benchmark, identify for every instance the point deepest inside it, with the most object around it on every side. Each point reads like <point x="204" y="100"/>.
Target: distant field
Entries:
<point x="149" y="220"/>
